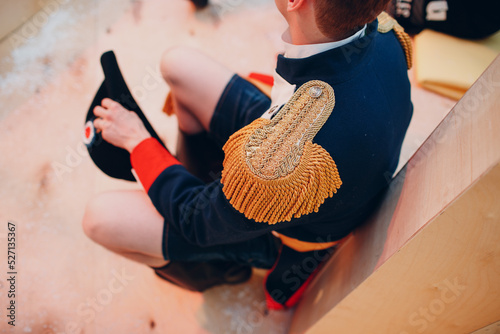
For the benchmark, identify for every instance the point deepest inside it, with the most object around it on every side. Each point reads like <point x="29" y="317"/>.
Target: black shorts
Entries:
<point x="239" y="105"/>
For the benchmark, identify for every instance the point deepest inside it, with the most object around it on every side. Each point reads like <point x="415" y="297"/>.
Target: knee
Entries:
<point x="96" y="221"/>
<point x="174" y="64"/>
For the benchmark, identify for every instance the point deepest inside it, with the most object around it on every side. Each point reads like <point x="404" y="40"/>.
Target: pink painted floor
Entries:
<point x="66" y="283"/>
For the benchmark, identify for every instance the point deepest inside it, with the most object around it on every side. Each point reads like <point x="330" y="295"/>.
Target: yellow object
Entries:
<point x="450" y="65"/>
<point x="272" y="170"/>
<point x="385" y="24"/>
<point x="305" y="246"/>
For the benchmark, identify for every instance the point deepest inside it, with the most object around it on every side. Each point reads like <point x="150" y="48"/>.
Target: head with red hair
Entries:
<point x="341" y="18"/>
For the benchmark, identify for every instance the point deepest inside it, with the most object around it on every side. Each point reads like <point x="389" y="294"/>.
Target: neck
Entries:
<point x="304" y="37"/>
<point x="301" y="37"/>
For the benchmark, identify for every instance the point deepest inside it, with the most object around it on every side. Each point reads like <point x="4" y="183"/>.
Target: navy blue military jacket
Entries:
<point x="363" y="135"/>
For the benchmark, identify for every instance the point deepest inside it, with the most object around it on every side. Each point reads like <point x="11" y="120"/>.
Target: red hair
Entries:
<point x="341" y="18"/>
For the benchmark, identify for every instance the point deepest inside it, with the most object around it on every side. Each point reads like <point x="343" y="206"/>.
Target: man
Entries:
<point x="294" y="181"/>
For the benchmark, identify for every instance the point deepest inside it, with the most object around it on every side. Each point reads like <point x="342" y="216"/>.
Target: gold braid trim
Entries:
<point x="385" y="24"/>
<point x="272" y="170"/>
<point x="405" y="41"/>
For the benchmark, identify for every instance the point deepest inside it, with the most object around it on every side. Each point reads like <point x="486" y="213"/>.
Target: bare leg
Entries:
<point x="127" y="223"/>
<point x="196" y="82"/>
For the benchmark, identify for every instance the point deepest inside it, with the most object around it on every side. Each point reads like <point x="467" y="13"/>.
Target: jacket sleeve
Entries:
<point x="200" y="212"/>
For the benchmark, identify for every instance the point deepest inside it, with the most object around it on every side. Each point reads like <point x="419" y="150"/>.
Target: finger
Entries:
<point x="99" y="124"/>
<point x="100" y="112"/>
<point x="108" y="103"/>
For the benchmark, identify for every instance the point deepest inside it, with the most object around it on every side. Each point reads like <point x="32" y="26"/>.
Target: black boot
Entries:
<point x="200" y="276"/>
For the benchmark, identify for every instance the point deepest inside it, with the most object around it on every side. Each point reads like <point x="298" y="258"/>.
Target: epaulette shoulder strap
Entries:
<point x="385" y="24"/>
<point x="273" y="171"/>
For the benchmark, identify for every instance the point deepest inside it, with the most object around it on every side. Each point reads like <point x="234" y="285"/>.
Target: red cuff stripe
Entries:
<point x="264" y="78"/>
<point x="149" y="159"/>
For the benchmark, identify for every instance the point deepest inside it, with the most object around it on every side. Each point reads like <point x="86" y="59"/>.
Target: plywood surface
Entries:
<point x="490" y="329"/>
<point x="13" y="13"/>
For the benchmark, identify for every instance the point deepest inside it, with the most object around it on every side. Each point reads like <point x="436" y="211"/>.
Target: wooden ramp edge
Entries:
<point x="429" y="260"/>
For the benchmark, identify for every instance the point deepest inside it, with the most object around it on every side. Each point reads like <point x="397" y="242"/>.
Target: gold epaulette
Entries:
<point x="385" y="24"/>
<point x="272" y="170"/>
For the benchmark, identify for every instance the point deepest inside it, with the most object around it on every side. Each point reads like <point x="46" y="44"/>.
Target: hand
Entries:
<point x="119" y="126"/>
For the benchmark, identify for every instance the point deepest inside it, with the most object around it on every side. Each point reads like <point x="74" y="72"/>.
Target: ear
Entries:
<point x="293" y="5"/>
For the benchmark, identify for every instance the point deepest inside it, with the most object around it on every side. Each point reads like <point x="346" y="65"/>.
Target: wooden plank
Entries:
<point x="419" y="241"/>
<point x="14" y="13"/>
<point x="446" y="280"/>
<point x="490" y="329"/>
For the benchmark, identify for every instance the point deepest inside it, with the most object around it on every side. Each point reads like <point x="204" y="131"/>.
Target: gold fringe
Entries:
<point x="385" y="24"/>
<point x="309" y="176"/>
<point x="406" y="43"/>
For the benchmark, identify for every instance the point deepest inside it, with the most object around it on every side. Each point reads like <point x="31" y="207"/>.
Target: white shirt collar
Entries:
<point x="303" y="51"/>
<point x="282" y="90"/>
